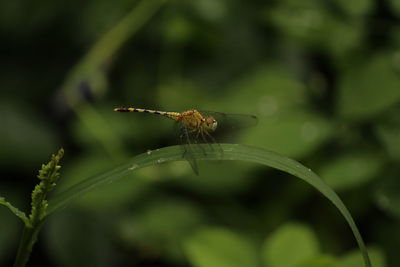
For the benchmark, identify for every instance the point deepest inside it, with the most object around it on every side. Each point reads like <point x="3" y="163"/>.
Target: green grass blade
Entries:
<point x="16" y="211"/>
<point x="231" y="152"/>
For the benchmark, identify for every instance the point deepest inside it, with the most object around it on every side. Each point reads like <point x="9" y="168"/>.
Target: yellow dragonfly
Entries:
<point x="198" y="126"/>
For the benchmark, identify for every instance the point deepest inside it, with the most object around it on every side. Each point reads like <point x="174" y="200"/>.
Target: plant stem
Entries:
<point x="28" y="239"/>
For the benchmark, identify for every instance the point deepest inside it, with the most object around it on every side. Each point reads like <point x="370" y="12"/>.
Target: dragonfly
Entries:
<point x="197" y="127"/>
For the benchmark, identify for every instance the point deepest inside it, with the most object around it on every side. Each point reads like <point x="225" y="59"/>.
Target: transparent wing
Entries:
<point x="232" y="121"/>
<point x="187" y="145"/>
<point x="230" y="125"/>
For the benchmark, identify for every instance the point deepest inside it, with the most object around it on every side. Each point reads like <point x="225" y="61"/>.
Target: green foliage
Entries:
<point x="354" y="259"/>
<point x="358" y="88"/>
<point x="15" y="125"/>
<point x="214" y="247"/>
<point x="357" y="7"/>
<point x="352" y="170"/>
<point x="147" y="226"/>
<point x="388" y="130"/>
<point x="16" y="211"/>
<point x="321" y="76"/>
<point x="387" y="195"/>
<point x="48" y="176"/>
<point x="320" y="261"/>
<point x="290" y="245"/>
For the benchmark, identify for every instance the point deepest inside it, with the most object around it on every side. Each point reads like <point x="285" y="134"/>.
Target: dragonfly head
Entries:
<point x="210" y="124"/>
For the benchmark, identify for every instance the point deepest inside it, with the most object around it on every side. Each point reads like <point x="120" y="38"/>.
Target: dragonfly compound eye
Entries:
<point x="214" y="125"/>
<point x="211" y="123"/>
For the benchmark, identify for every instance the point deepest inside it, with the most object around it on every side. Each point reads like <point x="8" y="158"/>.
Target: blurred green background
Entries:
<point x="322" y="76"/>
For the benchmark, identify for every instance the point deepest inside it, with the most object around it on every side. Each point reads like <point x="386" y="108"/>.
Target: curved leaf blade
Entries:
<point x="20" y="214"/>
<point x="231" y="152"/>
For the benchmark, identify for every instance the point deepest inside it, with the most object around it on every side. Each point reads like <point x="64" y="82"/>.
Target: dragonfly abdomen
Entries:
<point x="172" y="115"/>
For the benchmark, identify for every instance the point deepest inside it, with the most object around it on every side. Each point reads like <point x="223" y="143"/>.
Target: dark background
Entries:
<point x="322" y="77"/>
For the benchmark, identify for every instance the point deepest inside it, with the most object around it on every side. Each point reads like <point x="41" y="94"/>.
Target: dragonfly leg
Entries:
<point x="214" y="141"/>
<point x="205" y="139"/>
<point x="188" y="153"/>
<point x="198" y="132"/>
<point x="201" y="147"/>
<point x="181" y="136"/>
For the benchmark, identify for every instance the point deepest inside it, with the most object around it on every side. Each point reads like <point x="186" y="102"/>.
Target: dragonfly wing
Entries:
<point x="232" y="121"/>
<point x="187" y="145"/>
